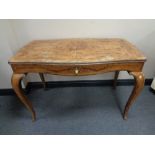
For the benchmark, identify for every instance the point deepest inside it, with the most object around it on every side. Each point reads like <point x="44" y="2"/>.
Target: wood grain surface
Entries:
<point x="78" y="51"/>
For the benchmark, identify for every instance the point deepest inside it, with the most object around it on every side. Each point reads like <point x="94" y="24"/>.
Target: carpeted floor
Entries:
<point x="79" y="110"/>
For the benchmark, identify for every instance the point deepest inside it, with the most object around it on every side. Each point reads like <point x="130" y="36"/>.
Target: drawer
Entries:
<point x="75" y="70"/>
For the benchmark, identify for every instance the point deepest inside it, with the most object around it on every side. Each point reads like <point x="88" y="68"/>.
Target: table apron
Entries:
<point x="76" y="69"/>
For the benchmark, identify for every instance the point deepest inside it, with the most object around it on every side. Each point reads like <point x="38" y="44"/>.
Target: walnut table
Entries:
<point x="78" y="57"/>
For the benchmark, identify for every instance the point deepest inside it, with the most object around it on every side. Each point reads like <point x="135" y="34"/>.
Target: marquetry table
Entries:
<point x="77" y="57"/>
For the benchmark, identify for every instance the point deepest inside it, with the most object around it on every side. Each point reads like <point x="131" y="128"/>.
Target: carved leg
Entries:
<point x="115" y="79"/>
<point x="139" y="84"/>
<point x="16" y="84"/>
<point x="42" y="79"/>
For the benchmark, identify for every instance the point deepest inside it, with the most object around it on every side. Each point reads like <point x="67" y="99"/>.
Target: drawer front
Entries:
<point x="76" y="70"/>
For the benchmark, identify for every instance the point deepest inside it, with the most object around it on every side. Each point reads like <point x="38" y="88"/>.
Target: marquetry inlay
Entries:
<point x="78" y="51"/>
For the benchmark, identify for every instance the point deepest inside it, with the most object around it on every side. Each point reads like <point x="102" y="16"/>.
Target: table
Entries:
<point x="78" y="57"/>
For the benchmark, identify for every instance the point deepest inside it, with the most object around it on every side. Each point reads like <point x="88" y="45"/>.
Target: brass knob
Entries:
<point x="76" y="71"/>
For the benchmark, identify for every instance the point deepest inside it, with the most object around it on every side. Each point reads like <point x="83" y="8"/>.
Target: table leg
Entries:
<point x="139" y="84"/>
<point x="42" y="79"/>
<point x="115" y="79"/>
<point x="16" y="84"/>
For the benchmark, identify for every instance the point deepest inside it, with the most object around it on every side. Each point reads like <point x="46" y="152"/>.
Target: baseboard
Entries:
<point x="80" y="83"/>
<point x="4" y="92"/>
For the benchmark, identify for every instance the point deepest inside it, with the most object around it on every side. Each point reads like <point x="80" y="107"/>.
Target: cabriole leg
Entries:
<point x="139" y="84"/>
<point x="42" y="79"/>
<point x="16" y="84"/>
<point x="115" y="79"/>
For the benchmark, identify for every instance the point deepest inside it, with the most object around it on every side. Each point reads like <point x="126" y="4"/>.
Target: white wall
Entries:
<point x="139" y="32"/>
<point x="7" y="46"/>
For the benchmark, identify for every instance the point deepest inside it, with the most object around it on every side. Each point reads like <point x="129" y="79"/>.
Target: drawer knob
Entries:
<point x="76" y="71"/>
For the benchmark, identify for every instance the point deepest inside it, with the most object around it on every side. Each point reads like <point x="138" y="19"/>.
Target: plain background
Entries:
<point x="17" y="33"/>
